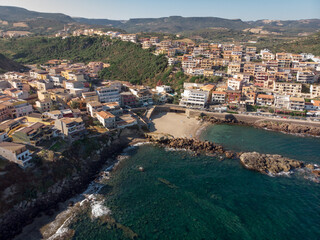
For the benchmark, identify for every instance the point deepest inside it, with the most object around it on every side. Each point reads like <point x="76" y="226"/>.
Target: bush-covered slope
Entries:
<point x="128" y="61"/>
<point x="7" y="64"/>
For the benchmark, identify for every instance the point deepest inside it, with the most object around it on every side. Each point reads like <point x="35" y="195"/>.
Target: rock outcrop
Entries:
<point x="269" y="164"/>
<point x="190" y="144"/>
<point x="288" y="127"/>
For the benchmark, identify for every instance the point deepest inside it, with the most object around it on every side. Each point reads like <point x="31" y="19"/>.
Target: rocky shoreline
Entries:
<point x="263" y="163"/>
<point x="14" y="220"/>
<point x="278" y="126"/>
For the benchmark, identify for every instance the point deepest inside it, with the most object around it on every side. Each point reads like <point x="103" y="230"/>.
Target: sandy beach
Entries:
<point x="176" y="124"/>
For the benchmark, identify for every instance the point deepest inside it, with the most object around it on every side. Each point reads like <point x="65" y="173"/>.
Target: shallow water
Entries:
<point x="180" y="196"/>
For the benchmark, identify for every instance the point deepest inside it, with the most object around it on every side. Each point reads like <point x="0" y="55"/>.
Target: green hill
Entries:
<point x="310" y="44"/>
<point x="129" y="62"/>
<point x="17" y="14"/>
<point x="7" y="64"/>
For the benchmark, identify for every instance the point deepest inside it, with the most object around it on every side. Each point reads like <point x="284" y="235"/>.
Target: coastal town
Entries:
<point x="61" y="99"/>
<point x="159" y="120"/>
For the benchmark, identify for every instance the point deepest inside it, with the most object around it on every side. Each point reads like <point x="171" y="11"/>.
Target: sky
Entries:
<point x="126" y="9"/>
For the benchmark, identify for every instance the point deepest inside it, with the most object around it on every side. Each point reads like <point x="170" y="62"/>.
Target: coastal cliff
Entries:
<point x="89" y="164"/>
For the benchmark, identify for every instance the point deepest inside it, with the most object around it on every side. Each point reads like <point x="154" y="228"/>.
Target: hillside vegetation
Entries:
<point x="129" y="62"/>
<point x="7" y="64"/>
<point x="310" y="44"/>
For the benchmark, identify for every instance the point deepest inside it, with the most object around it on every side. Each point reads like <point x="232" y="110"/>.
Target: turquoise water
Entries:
<point x="240" y="138"/>
<point x="180" y="196"/>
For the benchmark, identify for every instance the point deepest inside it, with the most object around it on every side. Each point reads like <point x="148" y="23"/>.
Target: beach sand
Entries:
<point x="176" y="124"/>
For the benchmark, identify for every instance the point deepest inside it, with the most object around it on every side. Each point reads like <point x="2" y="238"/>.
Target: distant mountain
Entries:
<point x="7" y="64"/>
<point x="94" y="21"/>
<point x="44" y="23"/>
<point x="17" y="14"/>
<point x="173" y="24"/>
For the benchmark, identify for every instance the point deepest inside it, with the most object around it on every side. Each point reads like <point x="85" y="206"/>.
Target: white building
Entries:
<point x="282" y="101"/>
<point x="107" y="119"/>
<point x="194" y="98"/>
<point x="17" y="153"/>
<point x="163" y="89"/>
<point x="235" y="84"/>
<point x="108" y="94"/>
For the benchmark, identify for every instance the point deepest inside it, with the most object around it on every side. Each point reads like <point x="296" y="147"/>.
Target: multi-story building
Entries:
<point x="306" y="77"/>
<point x="107" y="119"/>
<point x="287" y="88"/>
<point x="282" y="101"/>
<point x="265" y="100"/>
<point x="17" y="153"/>
<point x="108" y="94"/>
<point x="128" y="99"/>
<point x="297" y="104"/>
<point x="235" y="84"/>
<point x="218" y="97"/>
<point x="143" y="95"/>
<point x="314" y="90"/>
<point x="70" y="127"/>
<point x="234" y="68"/>
<point x="194" y="98"/>
<point x="44" y="105"/>
<point x="233" y="96"/>
<point x="90" y="96"/>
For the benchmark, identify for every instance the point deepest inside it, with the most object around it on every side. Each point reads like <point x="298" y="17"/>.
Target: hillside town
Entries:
<point x="61" y="99"/>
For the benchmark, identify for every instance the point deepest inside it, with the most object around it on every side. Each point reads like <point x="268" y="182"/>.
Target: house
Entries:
<point x="93" y="107"/>
<point x="17" y="153"/>
<point x="163" y="89"/>
<point x="143" y="95"/>
<point x="218" y="97"/>
<point x="265" y="100"/>
<point x="70" y="127"/>
<point x="112" y="107"/>
<point x="126" y="120"/>
<point x="297" y="104"/>
<point x="56" y="114"/>
<point x="107" y="119"/>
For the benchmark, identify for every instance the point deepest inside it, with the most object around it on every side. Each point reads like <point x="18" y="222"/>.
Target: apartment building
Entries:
<point x="297" y="104"/>
<point x="265" y="100"/>
<point x="108" y="94"/>
<point x="282" y="101"/>
<point x="287" y="88"/>
<point x="194" y="98"/>
<point x="218" y="97"/>
<point x="306" y="77"/>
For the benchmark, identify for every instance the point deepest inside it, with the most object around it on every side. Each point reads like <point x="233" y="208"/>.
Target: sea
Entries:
<point x="182" y="196"/>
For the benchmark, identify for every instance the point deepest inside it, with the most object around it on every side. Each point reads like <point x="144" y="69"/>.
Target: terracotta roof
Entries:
<point x="105" y="115"/>
<point x="265" y="96"/>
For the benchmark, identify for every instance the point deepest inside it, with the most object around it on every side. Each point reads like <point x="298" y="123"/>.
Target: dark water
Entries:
<point x="184" y="197"/>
